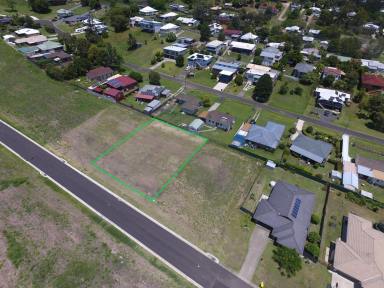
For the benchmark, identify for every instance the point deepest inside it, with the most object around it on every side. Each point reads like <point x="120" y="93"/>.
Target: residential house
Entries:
<point x="200" y="61"/>
<point x="372" y="82"/>
<point x="371" y="169"/>
<point x="218" y="119"/>
<point x="115" y="94"/>
<point x="307" y="52"/>
<point x="5" y="20"/>
<point x="27" y="32"/>
<point x="295" y="29"/>
<point x="254" y="72"/>
<point x="249" y="38"/>
<point x="188" y="104"/>
<point x="32" y="40"/>
<point x="333" y="71"/>
<point x="188" y="21"/>
<point x="49" y="46"/>
<point x="169" y="28"/>
<point x="225" y="18"/>
<point x="63" y="13"/>
<point x="177" y="7"/>
<point x="302" y="69"/>
<point x="295" y="6"/>
<point x="242" y="47"/>
<point x="356" y="257"/>
<point x="270" y="56"/>
<point x="266" y="137"/>
<point x="215" y="28"/>
<point x="371" y="27"/>
<point x="99" y="74"/>
<point x="373" y="65"/>
<point x="315" y="11"/>
<point x="185" y="41"/>
<point x="308" y="39"/>
<point x="76" y="19"/>
<point x="148" y="11"/>
<point x="331" y="99"/>
<point x="287" y="213"/>
<point x="310" y="149"/>
<point x="135" y="21"/>
<point x="58" y="57"/>
<point x="122" y="83"/>
<point x="232" y="33"/>
<point x="154" y="90"/>
<point x="174" y="51"/>
<point x="168" y="17"/>
<point x="215" y="47"/>
<point x="225" y="70"/>
<point x="150" y="26"/>
<point x="314" y="32"/>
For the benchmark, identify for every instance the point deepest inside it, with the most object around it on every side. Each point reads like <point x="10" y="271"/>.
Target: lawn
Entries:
<point x="234" y="88"/>
<point x="290" y="101"/>
<point x="349" y="119"/>
<point x="311" y="275"/>
<point x="233" y="56"/>
<point x="201" y="95"/>
<point x="266" y="116"/>
<point x="141" y="56"/>
<point x="203" y="77"/>
<point x="51" y="240"/>
<point x="338" y="207"/>
<point x="201" y="203"/>
<point x="41" y="107"/>
<point x="170" y="68"/>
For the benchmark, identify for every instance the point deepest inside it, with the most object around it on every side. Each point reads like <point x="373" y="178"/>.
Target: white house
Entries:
<point x="308" y="39"/>
<point x="169" y="28"/>
<point x="242" y="47"/>
<point x="331" y="99"/>
<point x="174" y="51"/>
<point x="271" y="55"/>
<point x="254" y="72"/>
<point x="215" y="46"/>
<point x="250" y="37"/>
<point x="168" y="16"/>
<point x="292" y="29"/>
<point x="215" y="28"/>
<point x="188" y="21"/>
<point x="27" y="32"/>
<point x="148" y="11"/>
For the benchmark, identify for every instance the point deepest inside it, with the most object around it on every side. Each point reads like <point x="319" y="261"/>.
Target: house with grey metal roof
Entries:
<point x="371" y="169"/>
<point x="271" y="55"/>
<point x="310" y="149"/>
<point x="287" y="213"/>
<point x="266" y="137"/>
<point x="301" y="69"/>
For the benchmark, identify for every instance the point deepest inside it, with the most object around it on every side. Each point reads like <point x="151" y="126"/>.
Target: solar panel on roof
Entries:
<point x="296" y="208"/>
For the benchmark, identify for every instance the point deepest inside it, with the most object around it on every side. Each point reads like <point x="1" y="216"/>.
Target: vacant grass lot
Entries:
<point x="311" y="275"/>
<point x="47" y="239"/>
<point x="141" y="56"/>
<point x="290" y="101"/>
<point x="170" y="68"/>
<point x="204" y="77"/>
<point x="39" y="106"/>
<point x="202" y="202"/>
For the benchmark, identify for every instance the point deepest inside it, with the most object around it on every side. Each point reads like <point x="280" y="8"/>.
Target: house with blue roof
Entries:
<point x="225" y="70"/>
<point x="266" y="137"/>
<point x="312" y="150"/>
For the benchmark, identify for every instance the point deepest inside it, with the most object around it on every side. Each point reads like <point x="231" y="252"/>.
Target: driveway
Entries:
<point x="257" y="244"/>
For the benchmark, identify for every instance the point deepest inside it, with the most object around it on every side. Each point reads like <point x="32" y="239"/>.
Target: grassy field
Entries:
<point x="290" y="101"/>
<point x="266" y="116"/>
<point x="141" y="56"/>
<point x="202" y="202"/>
<point x="39" y="106"/>
<point x="203" y="77"/>
<point x="338" y="207"/>
<point x="311" y="275"/>
<point x="48" y="239"/>
<point x="170" y="68"/>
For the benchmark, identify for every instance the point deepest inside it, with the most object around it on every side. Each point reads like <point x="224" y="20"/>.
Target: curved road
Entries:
<point x="193" y="263"/>
<point x="223" y="95"/>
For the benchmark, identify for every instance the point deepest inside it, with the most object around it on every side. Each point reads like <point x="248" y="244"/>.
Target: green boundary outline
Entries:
<point x="126" y="138"/>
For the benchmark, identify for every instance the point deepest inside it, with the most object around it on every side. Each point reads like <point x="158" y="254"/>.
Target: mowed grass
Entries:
<point x="290" y="101"/>
<point x="37" y="250"/>
<point x="311" y="275"/>
<point x="203" y="77"/>
<point x="141" y="56"/>
<point x="39" y="106"/>
<point x="169" y="68"/>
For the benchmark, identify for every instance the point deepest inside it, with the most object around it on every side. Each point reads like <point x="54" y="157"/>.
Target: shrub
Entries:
<point x="154" y="78"/>
<point x="180" y="61"/>
<point x="292" y="130"/>
<point x="313" y="249"/>
<point x="263" y="89"/>
<point x="283" y="89"/>
<point x="171" y="37"/>
<point x="238" y="80"/>
<point x="315" y="219"/>
<point x="314" y="237"/>
<point x="298" y="90"/>
<point x="309" y="130"/>
<point x="288" y="260"/>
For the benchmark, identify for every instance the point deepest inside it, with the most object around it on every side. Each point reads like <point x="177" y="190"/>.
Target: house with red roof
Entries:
<point x="232" y="33"/>
<point x="122" y="83"/>
<point x="115" y="94"/>
<point x="332" y="71"/>
<point x="372" y="82"/>
<point x="140" y="97"/>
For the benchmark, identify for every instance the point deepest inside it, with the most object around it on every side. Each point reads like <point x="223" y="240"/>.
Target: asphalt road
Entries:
<point x="178" y="253"/>
<point x="223" y="95"/>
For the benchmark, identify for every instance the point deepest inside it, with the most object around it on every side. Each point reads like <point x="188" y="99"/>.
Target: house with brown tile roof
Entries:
<point x="99" y="74"/>
<point x="218" y="119"/>
<point x="371" y="169"/>
<point x="360" y="255"/>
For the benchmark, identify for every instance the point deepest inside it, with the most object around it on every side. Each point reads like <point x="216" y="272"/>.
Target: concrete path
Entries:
<point x="257" y="244"/>
<point x="282" y="14"/>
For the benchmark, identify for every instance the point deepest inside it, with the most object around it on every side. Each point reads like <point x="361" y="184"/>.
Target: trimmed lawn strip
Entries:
<point x="203" y="77"/>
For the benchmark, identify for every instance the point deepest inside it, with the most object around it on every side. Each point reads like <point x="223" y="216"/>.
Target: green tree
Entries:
<point x="315" y="219"/>
<point x="55" y="72"/>
<point x="119" y="23"/>
<point x="263" y="89"/>
<point x="288" y="260"/>
<point x="171" y="37"/>
<point x="39" y="6"/>
<point x="154" y="78"/>
<point x="136" y="75"/>
<point x="158" y="4"/>
<point x="221" y="36"/>
<point x="239" y="80"/>
<point x="94" y="4"/>
<point x="132" y="43"/>
<point x="84" y="3"/>
<point x="309" y="78"/>
<point x="328" y="80"/>
<point x="206" y="101"/>
<point x="179" y="61"/>
<point x="11" y="5"/>
<point x="205" y="33"/>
